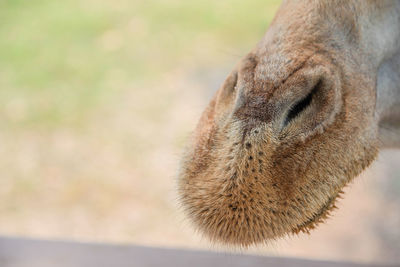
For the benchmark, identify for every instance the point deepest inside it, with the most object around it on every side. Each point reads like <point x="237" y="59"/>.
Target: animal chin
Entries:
<point x="318" y="217"/>
<point x="258" y="190"/>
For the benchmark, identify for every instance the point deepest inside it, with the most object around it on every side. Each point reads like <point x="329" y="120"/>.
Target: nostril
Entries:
<point x="301" y="105"/>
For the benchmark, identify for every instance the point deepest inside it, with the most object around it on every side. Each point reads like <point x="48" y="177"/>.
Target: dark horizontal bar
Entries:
<point x="21" y="252"/>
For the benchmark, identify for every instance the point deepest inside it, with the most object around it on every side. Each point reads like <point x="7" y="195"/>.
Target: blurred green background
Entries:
<point x="97" y="99"/>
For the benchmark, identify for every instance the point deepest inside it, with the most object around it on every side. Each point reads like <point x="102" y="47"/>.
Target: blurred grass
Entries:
<point x="58" y="59"/>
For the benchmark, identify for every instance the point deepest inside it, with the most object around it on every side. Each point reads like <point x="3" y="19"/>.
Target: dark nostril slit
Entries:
<point x="301" y="105"/>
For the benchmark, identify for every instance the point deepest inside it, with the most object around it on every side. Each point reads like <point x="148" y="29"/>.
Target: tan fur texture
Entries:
<point x="290" y="127"/>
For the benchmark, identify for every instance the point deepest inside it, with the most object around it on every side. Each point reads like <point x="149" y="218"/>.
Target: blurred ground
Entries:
<point x="97" y="99"/>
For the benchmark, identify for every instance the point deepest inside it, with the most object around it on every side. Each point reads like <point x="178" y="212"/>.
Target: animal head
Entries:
<point x="291" y="126"/>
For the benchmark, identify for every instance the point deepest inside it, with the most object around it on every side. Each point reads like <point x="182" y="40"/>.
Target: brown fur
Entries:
<point x="249" y="174"/>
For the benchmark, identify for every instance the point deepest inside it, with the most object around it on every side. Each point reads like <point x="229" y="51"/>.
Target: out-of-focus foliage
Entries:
<point x="59" y="60"/>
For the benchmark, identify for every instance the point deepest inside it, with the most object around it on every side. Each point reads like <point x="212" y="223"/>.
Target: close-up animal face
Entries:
<point x="290" y="127"/>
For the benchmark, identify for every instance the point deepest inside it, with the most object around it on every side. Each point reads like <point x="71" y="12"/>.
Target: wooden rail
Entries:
<point x="20" y="252"/>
